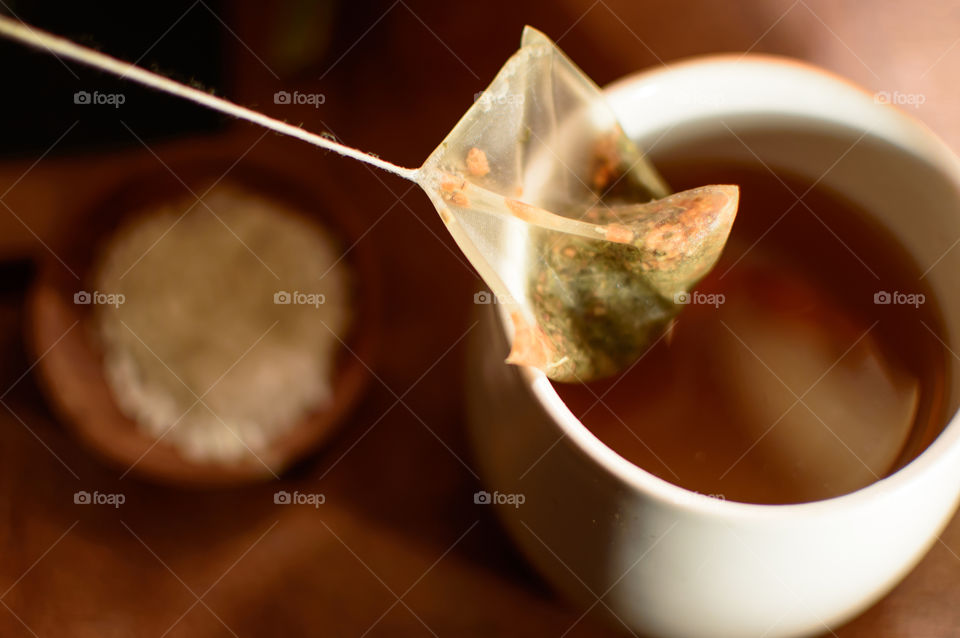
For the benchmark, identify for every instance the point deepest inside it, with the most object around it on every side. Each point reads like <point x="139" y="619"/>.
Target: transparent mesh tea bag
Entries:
<point x="571" y="228"/>
<point x="568" y="224"/>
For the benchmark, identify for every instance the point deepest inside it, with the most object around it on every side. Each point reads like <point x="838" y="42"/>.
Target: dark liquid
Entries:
<point x="797" y="387"/>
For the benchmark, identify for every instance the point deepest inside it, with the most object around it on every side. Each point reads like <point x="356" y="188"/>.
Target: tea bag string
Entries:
<point x="59" y="46"/>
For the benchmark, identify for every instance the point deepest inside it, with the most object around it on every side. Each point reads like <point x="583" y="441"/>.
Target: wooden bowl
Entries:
<point x="69" y="362"/>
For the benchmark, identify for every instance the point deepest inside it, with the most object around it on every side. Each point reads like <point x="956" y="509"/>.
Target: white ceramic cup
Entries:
<point x="666" y="561"/>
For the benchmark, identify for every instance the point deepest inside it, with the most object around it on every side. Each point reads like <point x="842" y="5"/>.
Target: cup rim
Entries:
<point x="659" y="489"/>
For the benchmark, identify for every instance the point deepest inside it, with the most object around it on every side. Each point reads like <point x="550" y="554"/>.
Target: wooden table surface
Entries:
<point x="399" y="548"/>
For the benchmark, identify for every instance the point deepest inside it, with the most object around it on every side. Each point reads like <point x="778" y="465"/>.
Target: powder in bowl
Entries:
<point x="228" y="315"/>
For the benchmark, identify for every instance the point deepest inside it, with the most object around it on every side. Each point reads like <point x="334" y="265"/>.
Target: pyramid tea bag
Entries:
<point x="557" y="209"/>
<point x="544" y="193"/>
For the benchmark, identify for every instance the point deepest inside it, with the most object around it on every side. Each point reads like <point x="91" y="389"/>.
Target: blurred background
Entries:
<point x="399" y="548"/>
